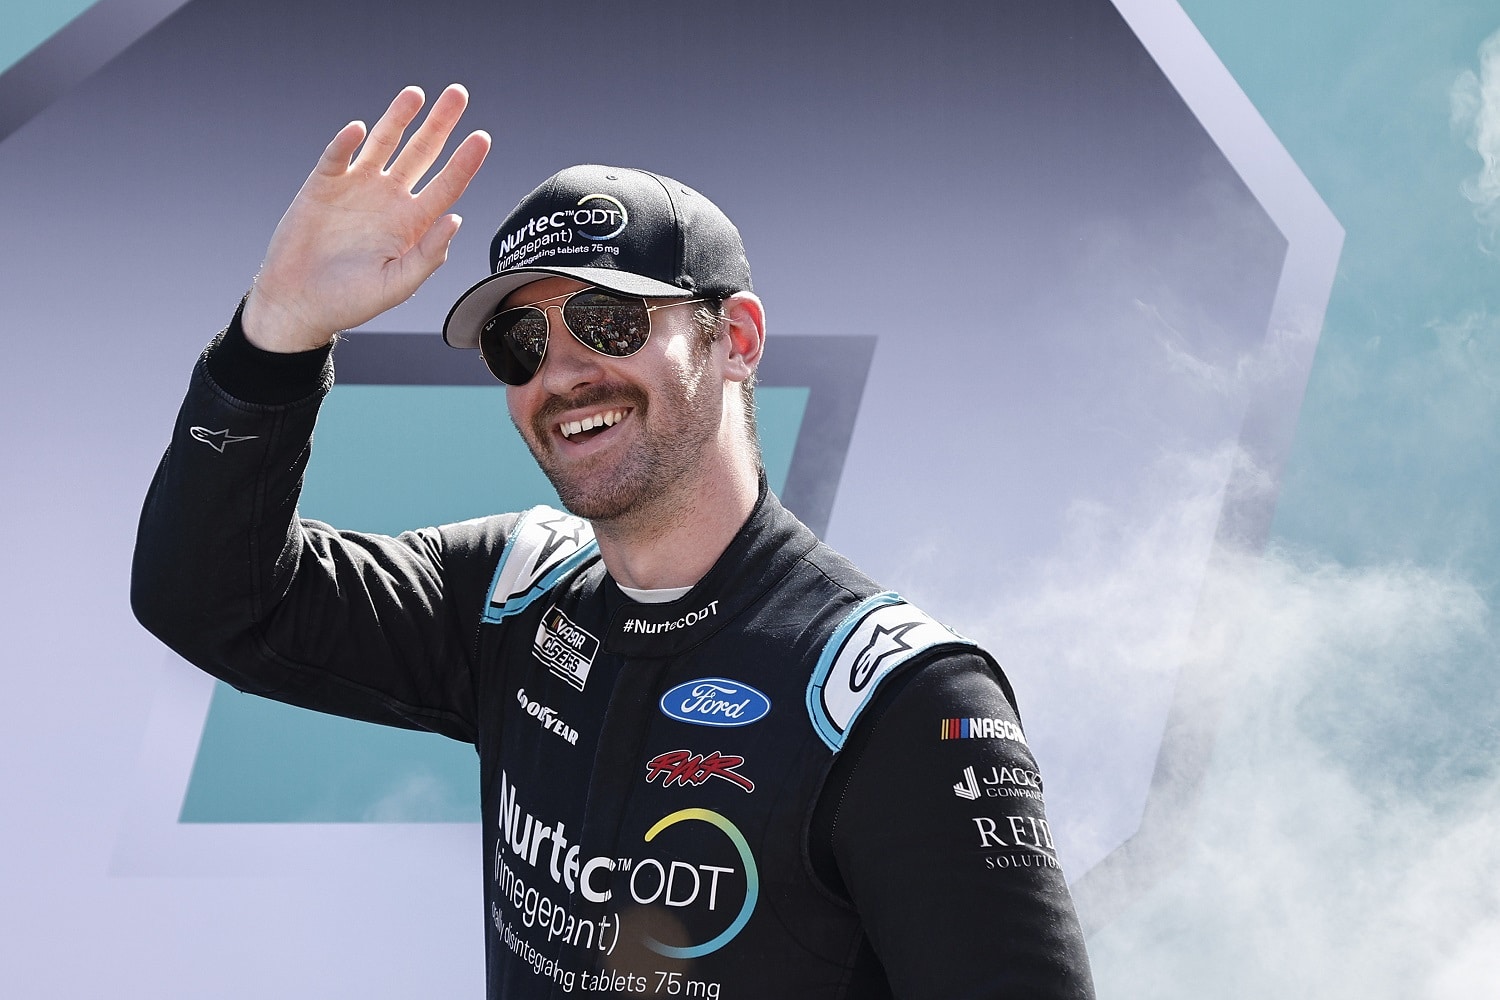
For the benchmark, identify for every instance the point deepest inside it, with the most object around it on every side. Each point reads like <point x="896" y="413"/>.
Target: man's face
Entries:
<point x="651" y="417"/>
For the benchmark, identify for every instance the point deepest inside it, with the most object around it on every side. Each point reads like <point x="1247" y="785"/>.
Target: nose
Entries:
<point x="569" y="365"/>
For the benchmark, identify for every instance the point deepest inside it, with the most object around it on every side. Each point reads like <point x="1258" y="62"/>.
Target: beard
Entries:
<point x="669" y="438"/>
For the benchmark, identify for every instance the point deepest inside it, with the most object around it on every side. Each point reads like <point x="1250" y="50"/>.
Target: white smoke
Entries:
<point x="1347" y="839"/>
<point x="1346" y="836"/>
<point x="1242" y="373"/>
<point x="1475" y="104"/>
<point x="1103" y="627"/>
<point x="1346" y="843"/>
<point x="412" y="796"/>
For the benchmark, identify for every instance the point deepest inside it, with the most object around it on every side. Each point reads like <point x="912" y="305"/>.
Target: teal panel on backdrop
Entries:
<point x="385" y="458"/>
<point x="25" y="24"/>
<point x="1352" y="765"/>
<point x="1396" y="456"/>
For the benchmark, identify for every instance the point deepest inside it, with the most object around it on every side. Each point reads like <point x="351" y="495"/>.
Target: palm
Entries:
<point x="358" y="239"/>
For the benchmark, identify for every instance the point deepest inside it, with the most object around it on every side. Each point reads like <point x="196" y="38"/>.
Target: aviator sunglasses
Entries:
<point x="514" y="341"/>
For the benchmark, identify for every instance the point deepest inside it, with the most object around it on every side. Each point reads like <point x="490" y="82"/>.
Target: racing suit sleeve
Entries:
<point x="226" y="573"/>
<point x="940" y="839"/>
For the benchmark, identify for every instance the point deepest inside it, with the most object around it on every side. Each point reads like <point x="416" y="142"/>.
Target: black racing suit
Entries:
<point x="787" y="783"/>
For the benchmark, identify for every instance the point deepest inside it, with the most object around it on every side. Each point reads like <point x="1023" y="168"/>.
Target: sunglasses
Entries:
<point x="514" y="341"/>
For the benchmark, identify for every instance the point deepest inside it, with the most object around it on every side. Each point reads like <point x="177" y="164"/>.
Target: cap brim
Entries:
<point x="475" y="307"/>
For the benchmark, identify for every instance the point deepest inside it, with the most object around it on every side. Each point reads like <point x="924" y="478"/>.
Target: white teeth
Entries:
<point x="607" y="419"/>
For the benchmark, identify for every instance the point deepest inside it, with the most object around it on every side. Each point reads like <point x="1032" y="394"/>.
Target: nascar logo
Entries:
<point x="981" y="729"/>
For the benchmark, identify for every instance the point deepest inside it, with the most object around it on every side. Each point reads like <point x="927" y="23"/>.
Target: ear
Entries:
<point x="744" y="334"/>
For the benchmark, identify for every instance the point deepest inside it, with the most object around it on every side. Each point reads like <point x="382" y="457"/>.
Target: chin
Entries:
<point x="595" y="500"/>
<point x="591" y="506"/>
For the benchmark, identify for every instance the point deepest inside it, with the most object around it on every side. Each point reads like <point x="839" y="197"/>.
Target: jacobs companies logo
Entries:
<point x="1000" y="782"/>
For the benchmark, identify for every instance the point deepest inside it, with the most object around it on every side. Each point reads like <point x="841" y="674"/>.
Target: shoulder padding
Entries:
<point x="544" y="546"/>
<point x="874" y="639"/>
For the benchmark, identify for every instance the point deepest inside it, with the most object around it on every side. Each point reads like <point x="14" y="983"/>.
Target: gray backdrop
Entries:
<point x="1092" y="300"/>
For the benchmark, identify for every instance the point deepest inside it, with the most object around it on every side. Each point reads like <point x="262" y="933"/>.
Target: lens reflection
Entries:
<point x="609" y="324"/>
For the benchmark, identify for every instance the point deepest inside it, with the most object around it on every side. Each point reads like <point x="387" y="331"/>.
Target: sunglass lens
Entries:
<point x="513" y="344"/>
<point x="610" y="324"/>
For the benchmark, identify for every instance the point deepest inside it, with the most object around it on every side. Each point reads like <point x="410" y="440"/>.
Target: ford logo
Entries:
<point x="714" y="701"/>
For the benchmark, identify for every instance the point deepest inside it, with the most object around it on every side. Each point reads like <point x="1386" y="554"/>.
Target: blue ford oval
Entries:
<point x="715" y="701"/>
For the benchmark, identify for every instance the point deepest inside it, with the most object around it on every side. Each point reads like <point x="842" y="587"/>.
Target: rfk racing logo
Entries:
<point x="565" y="648"/>
<point x="683" y="767"/>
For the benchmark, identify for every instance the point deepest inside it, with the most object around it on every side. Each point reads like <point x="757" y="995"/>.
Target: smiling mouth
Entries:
<point x="591" y="425"/>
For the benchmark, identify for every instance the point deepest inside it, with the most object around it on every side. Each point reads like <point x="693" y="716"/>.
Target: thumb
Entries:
<point x="418" y="263"/>
<point x="432" y="248"/>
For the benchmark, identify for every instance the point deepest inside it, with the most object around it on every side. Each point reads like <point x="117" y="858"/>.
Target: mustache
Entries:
<point x="594" y="395"/>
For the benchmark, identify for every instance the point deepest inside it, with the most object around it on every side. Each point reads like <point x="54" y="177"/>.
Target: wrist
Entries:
<point x="271" y="326"/>
<point x="253" y="375"/>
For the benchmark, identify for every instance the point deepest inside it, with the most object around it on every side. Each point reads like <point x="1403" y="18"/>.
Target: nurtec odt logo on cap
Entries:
<point x="596" y="218"/>
<point x="600" y="217"/>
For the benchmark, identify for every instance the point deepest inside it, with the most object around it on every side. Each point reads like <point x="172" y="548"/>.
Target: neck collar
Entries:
<point x="764" y="550"/>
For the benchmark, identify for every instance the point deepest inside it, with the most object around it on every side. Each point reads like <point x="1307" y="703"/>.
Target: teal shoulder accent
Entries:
<point x="874" y="639"/>
<point x="545" y="546"/>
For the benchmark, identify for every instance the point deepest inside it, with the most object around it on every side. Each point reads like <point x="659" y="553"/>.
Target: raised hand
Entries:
<point x="358" y="239"/>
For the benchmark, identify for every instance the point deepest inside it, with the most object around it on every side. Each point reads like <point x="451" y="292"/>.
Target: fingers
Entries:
<point x="422" y="149"/>
<point x="444" y="189"/>
<point x="336" y="157"/>
<point x="386" y="135"/>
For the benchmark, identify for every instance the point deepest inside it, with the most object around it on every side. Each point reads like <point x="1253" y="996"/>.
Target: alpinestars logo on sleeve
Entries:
<point x="874" y="639"/>
<point x="883" y="642"/>
<point x="218" y="439"/>
<point x="561" y="530"/>
<point x="544" y="547"/>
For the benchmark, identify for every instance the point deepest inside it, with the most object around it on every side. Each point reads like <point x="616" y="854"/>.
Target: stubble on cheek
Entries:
<point x="587" y="489"/>
<point x="632" y="474"/>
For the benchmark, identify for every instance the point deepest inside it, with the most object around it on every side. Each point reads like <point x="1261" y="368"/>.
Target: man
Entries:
<point x="716" y="760"/>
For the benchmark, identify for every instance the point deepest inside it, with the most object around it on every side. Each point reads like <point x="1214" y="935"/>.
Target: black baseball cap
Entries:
<point x="627" y="230"/>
